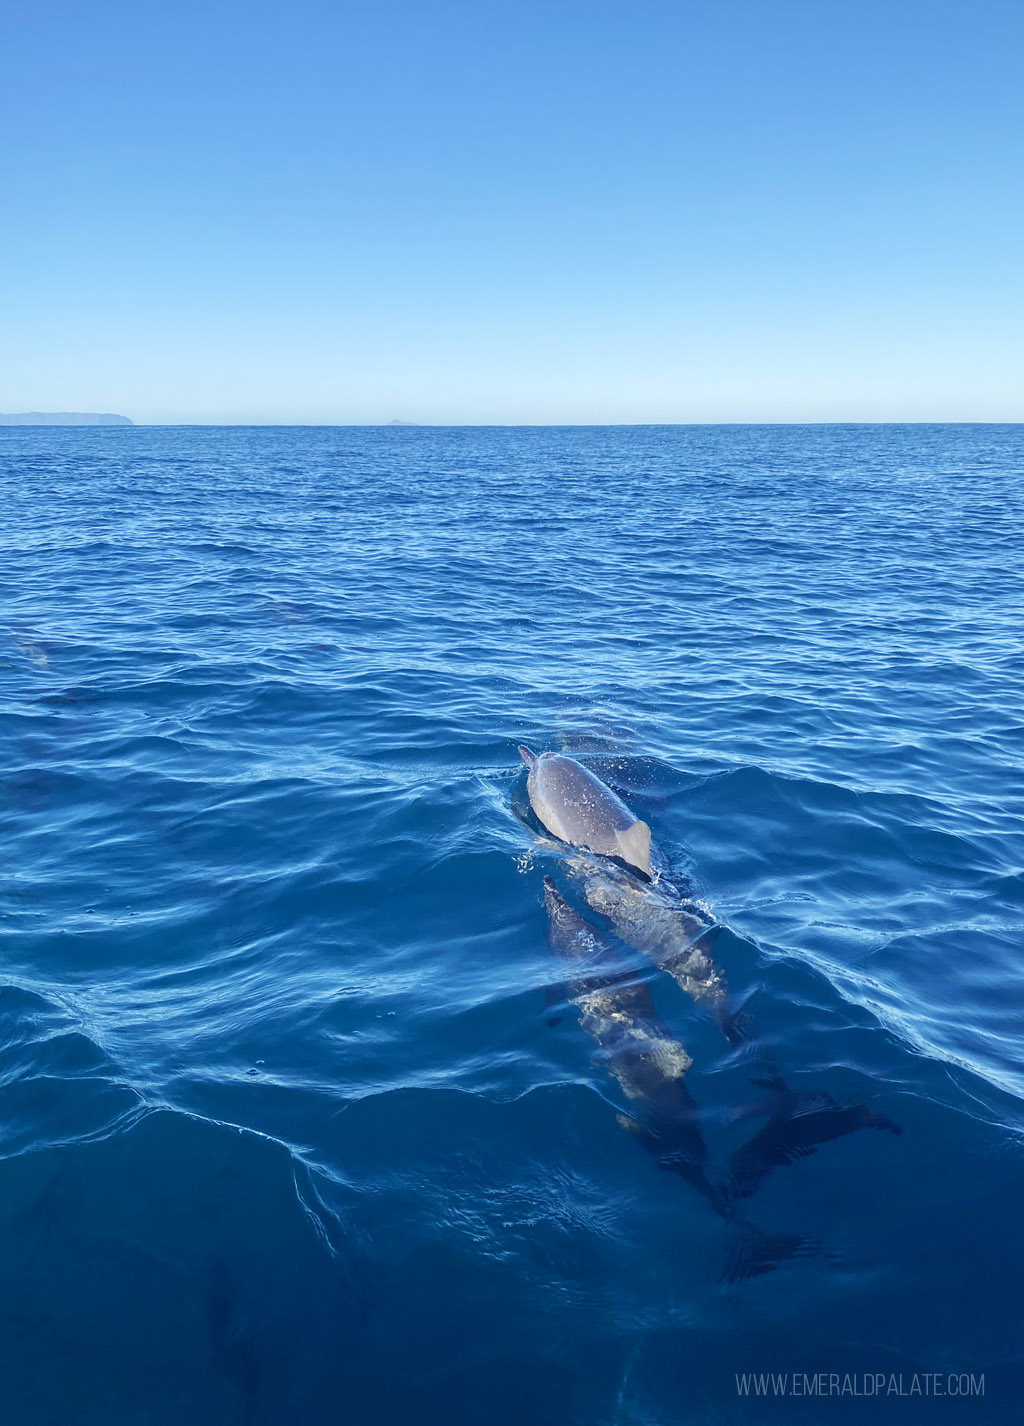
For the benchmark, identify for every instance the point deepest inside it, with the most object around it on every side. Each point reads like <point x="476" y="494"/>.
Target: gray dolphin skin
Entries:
<point x="676" y="940"/>
<point x="578" y="808"/>
<point x="650" y="1064"/>
<point x="637" y="1049"/>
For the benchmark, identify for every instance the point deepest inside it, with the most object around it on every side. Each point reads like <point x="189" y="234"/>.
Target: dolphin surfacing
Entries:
<point x="578" y="808"/>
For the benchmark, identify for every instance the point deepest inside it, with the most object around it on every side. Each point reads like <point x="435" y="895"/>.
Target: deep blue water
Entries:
<point x="286" y="1135"/>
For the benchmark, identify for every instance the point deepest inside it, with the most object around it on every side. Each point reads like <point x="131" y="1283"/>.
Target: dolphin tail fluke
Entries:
<point x="799" y="1126"/>
<point x="751" y="1253"/>
<point x="528" y="758"/>
<point x="635" y="846"/>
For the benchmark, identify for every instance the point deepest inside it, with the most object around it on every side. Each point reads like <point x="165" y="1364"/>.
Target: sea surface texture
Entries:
<point x="288" y="1133"/>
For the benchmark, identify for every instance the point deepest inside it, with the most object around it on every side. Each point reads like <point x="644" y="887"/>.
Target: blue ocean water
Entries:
<point x="286" y="1133"/>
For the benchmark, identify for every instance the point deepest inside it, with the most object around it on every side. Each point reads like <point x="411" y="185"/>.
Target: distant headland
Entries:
<point x="63" y="418"/>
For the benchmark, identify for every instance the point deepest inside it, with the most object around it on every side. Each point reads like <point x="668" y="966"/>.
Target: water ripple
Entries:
<point x="267" y="867"/>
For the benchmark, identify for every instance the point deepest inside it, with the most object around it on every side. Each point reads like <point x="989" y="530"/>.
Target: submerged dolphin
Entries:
<point x="675" y="936"/>
<point x="650" y="1065"/>
<point x="638" y="1049"/>
<point x="579" y="808"/>
<point x="680" y="943"/>
<point x="797" y="1125"/>
<point x="574" y="805"/>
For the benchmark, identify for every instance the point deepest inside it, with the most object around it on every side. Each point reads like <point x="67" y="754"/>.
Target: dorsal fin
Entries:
<point x="528" y="758"/>
<point x="635" y="846"/>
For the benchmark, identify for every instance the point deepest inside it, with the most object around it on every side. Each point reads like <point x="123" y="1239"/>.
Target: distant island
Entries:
<point x="63" y="418"/>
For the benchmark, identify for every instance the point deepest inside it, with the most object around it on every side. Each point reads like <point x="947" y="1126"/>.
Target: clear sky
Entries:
<point x="540" y="211"/>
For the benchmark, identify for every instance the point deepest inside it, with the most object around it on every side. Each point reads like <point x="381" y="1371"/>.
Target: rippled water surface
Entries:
<point x="287" y="1135"/>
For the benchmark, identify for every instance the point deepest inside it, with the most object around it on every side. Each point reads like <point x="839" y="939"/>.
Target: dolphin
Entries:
<point x="578" y="808"/>
<point x="797" y="1124"/>
<point x="638" y="1049"/>
<point x="640" y="1052"/>
<point x="680" y="943"/>
<point x="676" y="936"/>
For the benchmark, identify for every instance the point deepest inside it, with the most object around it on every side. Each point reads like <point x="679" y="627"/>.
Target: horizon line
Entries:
<point x="474" y="425"/>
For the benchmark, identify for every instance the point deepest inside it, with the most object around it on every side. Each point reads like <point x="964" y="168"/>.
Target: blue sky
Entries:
<point x="484" y="212"/>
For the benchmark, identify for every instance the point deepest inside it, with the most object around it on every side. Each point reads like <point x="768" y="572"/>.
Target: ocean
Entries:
<point x="287" y="1131"/>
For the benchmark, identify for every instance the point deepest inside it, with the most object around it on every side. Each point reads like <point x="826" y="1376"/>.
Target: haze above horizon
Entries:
<point x="528" y="214"/>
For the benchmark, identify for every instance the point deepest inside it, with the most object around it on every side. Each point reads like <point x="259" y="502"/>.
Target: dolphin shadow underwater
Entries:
<point x="623" y="880"/>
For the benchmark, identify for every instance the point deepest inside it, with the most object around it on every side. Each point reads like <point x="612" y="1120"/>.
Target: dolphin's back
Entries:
<point x="579" y="808"/>
<point x="617" y="1011"/>
<point x="674" y="939"/>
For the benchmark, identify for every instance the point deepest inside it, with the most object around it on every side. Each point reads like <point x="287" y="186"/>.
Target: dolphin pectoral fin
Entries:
<point x="806" y="1122"/>
<point x="873" y="1120"/>
<point x="528" y="758"/>
<point x="635" y="846"/>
